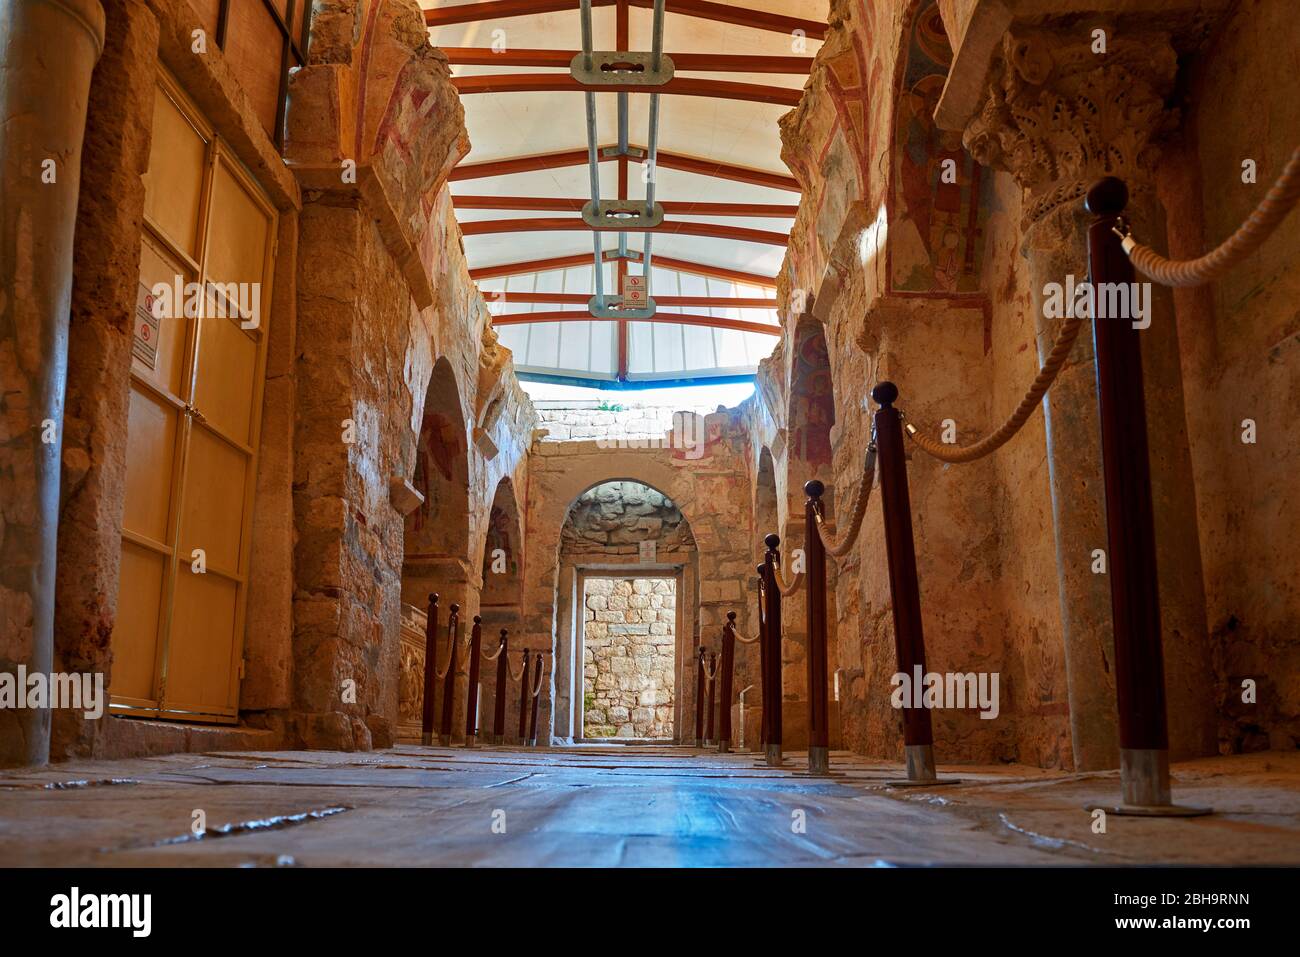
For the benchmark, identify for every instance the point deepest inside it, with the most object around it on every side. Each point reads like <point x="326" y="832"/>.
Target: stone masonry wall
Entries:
<point x="628" y="639"/>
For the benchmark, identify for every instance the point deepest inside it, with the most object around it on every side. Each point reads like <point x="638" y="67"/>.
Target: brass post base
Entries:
<point x="724" y="747"/>
<point x="920" y="769"/>
<point x="471" y="741"/>
<point x="1144" y="786"/>
<point x="426" y="739"/>
<point x="498" y="739"/>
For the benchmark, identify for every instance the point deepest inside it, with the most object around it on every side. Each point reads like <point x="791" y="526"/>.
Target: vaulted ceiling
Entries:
<point x="727" y="198"/>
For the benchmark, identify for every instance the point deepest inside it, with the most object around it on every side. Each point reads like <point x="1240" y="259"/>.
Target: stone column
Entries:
<point x="48" y="49"/>
<point x="1059" y="116"/>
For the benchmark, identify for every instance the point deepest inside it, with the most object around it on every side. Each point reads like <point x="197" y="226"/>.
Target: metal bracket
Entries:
<point x="624" y="215"/>
<point x="611" y="310"/>
<point x="621" y="68"/>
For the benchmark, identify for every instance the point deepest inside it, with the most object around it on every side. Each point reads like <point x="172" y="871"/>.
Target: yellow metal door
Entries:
<point x="196" y="395"/>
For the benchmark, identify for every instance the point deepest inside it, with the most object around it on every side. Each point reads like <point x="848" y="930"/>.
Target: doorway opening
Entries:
<point x="629" y="637"/>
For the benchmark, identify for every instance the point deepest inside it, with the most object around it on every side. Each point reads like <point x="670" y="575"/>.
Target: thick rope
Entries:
<point x="836" y="546"/>
<point x="495" y="655"/>
<point x="513" y="675"/>
<point x="995" y="440"/>
<point x="742" y="639"/>
<point x="1252" y="233"/>
<point x="786" y="588"/>
<point x="451" y="653"/>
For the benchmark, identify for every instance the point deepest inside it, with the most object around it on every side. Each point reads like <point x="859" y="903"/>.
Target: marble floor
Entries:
<point x="620" y="805"/>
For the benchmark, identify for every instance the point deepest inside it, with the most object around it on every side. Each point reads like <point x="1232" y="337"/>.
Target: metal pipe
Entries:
<point x="585" y="16"/>
<point x="657" y="43"/>
<point x="593" y="171"/>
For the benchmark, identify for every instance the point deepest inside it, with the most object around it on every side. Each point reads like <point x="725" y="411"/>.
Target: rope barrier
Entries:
<point x="837" y="546"/>
<point x="1249" y="236"/>
<point x="742" y="639"/>
<point x="523" y="663"/>
<point x="991" y="443"/>
<point x="452" y="655"/>
<point x="786" y="588"/>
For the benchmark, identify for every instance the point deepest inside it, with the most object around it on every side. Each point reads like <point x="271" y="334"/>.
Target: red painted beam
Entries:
<point x="668" y="160"/>
<point x="579" y="299"/>
<point x="684" y="319"/>
<point x="697" y="62"/>
<point x="714" y="272"/>
<point x="678" y="85"/>
<point x="575" y="204"/>
<point x="676" y="227"/>
<point x="663" y="262"/>
<point x="700" y="9"/>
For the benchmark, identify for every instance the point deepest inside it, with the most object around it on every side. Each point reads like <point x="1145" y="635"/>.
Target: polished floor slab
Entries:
<point x="619" y="805"/>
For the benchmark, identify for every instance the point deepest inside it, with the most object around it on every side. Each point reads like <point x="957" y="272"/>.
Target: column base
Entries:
<point x="920" y="769"/>
<point x="1144" y="787"/>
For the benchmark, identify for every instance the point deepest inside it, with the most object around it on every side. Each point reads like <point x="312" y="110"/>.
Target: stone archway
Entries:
<point x="715" y="507"/>
<point x="627" y="554"/>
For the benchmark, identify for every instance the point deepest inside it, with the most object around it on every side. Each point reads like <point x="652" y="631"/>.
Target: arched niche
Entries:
<point x="436" y="532"/>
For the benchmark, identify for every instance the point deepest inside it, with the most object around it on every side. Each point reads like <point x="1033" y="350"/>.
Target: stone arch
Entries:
<point x="620" y="623"/>
<point x="810" y="416"/>
<point x="721" y="550"/>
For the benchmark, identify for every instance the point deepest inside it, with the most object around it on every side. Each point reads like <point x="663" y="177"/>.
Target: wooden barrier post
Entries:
<point x="764" y="733"/>
<point x="699" y="698"/>
<point x="904" y="591"/>
<point x="499" y="699"/>
<point x="523" y="701"/>
<point x="449" y="684"/>
<point x="1130" y="526"/>
<point x="537" y="699"/>
<point x="471" y="695"/>
<point x="728" y="667"/>
<point x="815" y="583"/>
<point x="430" y="670"/>
<point x="709" y="740"/>
<point x="772" y="690"/>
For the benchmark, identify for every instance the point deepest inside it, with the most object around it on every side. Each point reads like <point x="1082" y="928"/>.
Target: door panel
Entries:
<point x="177" y="167"/>
<point x="213" y="500"/>
<point x="199" y="664"/>
<point x="150" y="451"/>
<point x="224" y="386"/>
<point x="135" y="635"/>
<point x="195" y="409"/>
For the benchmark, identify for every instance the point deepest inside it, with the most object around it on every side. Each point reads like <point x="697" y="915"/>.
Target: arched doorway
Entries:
<point x="628" y="571"/>
<point x="436" y="540"/>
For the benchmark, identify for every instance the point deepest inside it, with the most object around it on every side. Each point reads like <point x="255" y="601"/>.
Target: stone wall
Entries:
<point x="628" y="657"/>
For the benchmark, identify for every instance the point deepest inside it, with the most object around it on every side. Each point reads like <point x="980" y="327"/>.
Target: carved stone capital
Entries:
<point x="1058" y="116"/>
